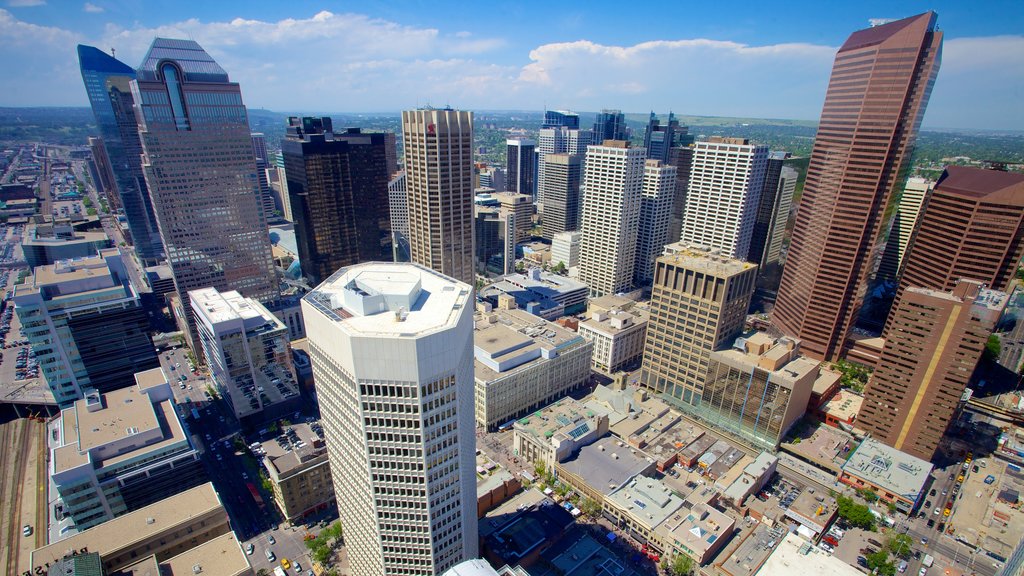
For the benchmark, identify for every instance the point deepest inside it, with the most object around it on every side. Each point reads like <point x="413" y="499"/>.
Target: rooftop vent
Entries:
<point x="150" y="520"/>
<point x="197" y="569"/>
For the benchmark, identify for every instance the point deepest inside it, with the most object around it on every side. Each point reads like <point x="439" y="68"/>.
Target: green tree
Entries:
<point x="262" y="572"/>
<point x="682" y="565"/>
<point x="857" y="514"/>
<point x="520" y="267"/>
<point x="867" y="494"/>
<point x="878" y="562"/>
<point x="90" y="211"/>
<point x="321" y="555"/>
<point x="993" y="347"/>
<point x="900" y="545"/>
<point x="559" y="268"/>
<point x="589" y="508"/>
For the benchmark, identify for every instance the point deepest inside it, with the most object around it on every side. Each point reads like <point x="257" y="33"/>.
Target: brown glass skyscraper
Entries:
<point x="881" y="80"/>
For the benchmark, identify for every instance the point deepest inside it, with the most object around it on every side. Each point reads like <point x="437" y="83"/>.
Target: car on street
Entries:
<point x="26" y="531"/>
<point x="298" y="567"/>
<point x="924" y="541"/>
<point x="937" y="512"/>
<point x="249" y="549"/>
<point x="931" y="523"/>
<point x="285" y="563"/>
<point x="271" y="540"/>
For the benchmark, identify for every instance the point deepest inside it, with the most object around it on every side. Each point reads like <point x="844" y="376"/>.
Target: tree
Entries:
<point x="321" y="555"/>
<point x="993" y="347"/>
<point x="880" y="561"/>
<point x="589" y="508"/>
<point x="559" y="268"/>
<point x="682" y="565"/>
<point x="262" y="572"/>
<point x="867" y="494"/>
<point x="856" y="514"/>
<point x="520" y="267"/>
<point x="90" y="211"/>
<point x="899" y="545"/>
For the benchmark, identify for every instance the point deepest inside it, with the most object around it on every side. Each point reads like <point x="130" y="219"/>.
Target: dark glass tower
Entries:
<point x="610" y="125"/>
<point x="556" y="118"/>
<point x="108" y="84"/>
<point x="659" y="139"/>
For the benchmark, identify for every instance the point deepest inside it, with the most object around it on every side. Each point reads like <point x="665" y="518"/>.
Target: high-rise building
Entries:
<point x="492" y="177"/>
<point x="392" y="351"/>
<point x="563" y="174"/>
<point x="767" y="208"/>
<point x="522" y="206"/>
<point x="108" y="85"/>
<point x="660" y="139"/>
<point x="85" y="323"/>
<point x="555" y="118"/>
<point x="780" y="217"/>
<point x="266" y="199"/>
<point x="246" y="347"/>
<point x="907" y="211"/>
<point x="565" y="248"/>
<point x="726" y="181"/>
<point x="972" y="226"/>
<point x="521" y="166"/>
<point x="281" y="190"/>
<point x="682" y="158"/>
<point x="495" y="244"/>
<point x="932" y="347"/>
<point x="613" y="182"/>
<point x="698" y="304"/>
<point x="559" y="140"/>
<point x="338" y="189"/>
<point x="398" y="208"/>
<point x="439" y="178"/>
<point x="200" y="167"/>
<point x="103" y="173"/>
<point x="610" y="125"/>
<point x="655" y="210"/>
<point x="391" y="152"/>
<point x="882" y="79"/>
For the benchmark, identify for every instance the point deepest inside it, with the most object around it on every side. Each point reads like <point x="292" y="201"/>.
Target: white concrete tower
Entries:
<point x="655" y="211"/>
<point x="392" y="354"/>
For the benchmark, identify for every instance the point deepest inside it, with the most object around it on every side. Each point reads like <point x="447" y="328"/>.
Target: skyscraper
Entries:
<point x="559" y="140"/>
<point x="338" y="189"/>
<point x="907" y="211"/>
<point x="932" y="347"/>
<point x="613" y="182"/>
<point x="495" y="244"/>
<point x="392" y="351"/>
<point x="555" y="118"/>
<point x="610" y="125"/>
<point x="881" y="81"/>
<point x="780" y="218"/>
<point x="655" y="209"/>
<point x="561" y="192"/>
<point x="439" y="178"/>
<point x="660" y="139"/>
<point x="266" y="199"/>
<point x="521" y="166"/>
<point x="682" y="158"/>
<point x="726" y="181"/>
<point x="108" y="85"/>
<point x="103" y="173"/>
<point x="201" y="172"/>
<point x="398" y="208"/>
<point x="767" y="209"/>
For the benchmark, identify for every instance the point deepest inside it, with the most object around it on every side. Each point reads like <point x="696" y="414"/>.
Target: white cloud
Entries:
<point x="980" y="84"/>
<point x="92" y="8"/>
<point x="25" y="3"/>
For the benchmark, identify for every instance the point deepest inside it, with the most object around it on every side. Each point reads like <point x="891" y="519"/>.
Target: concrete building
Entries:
<point x="610" y="125"/>
<point x="85" y="323"/>
<point x="698" y="304"/>
<point x="726" y="181"/>
<point x="523" y="362"/>
<point x="660" y="139"/>
<point x="894" y="476"/>
<point x="773" y="207"/>
<point x="933" y="345"/>
<point x="813" y="513"/>
<point x="246" y="347"/>
<point x="164" y="529"/>
<point x="908" y="210"/>
<point x="122" y="450"/>
<point x="521" y="167"/>
<point x="266" y="198"/>
<point x="45" y="244"/>
<point x="698" y="532"/>
<point x="565" y="248"/>
<point x="553" y="433"/>
<point x="563" y="175"/>
<point x="613" y="186"/>
<point x="392" y="351"/>
<point x="758" y="389"/>
<point x="780" y="216"/>
<point x="160" y="280"/>
<point x="640" y="506"/>
<point x="682" y="158"/>
<point x="439" y="178"/>
<point x="598" y="469"/>
<point x="655" y="211"/>
<point x="754" y="477"/>
<point x="869" y="121"/>
<point x="522" y="206"/>
<point x="206" y="204"/>
<point x="618" y="329"/>
<point x="794" y="557"/>
<point x="398" y="207"/>
<point x="296" y="463"/>
<point x="492" y="177"/>
<point x="559" y="139"/>
<point x="543" y="294"/>
<point x="495" y="247"/>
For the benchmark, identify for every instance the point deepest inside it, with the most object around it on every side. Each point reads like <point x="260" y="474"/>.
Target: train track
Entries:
<point x="16" y="434"/>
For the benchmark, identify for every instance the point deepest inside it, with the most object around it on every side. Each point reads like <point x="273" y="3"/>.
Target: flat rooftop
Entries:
<point x="888" y="468"/>
<point x="607" y="464"/>
<point x="500" y="516"/>
<point x="296" y="445"/>
<point x="515" y="338"/>
<point x="648" y="499"/>
<point x="844" y="405"/>
<point x="794" y="556"/>
<point x="616" y="321"/>
<point x="222" y="307"/>
<point x="697" y="528"/>
<point x="701" y="259"/>
<point x="562" y="416"/>
<point x="816" y="509"/>
<point x="222" y="556"/>
<point x="580" y="554"/>
<point x="76" y="269"/>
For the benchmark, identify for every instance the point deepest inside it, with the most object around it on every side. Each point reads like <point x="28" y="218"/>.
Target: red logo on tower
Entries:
<point x="430" y="128"/>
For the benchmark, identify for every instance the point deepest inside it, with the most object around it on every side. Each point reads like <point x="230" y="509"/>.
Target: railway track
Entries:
<point x="17" y="434"/>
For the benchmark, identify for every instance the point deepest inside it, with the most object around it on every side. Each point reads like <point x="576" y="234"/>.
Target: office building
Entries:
<point x="495" y="245"/>
<point x="439" y="178"/>
<point x="279" y="187"/>
<point x="895" y="476"/>
<point x="492" y="177"/>
<point x="655" y="211"/>
<point x="85" y="322"/>
<point x="908" y="210"/>
<point x="160" y="280"/>
<point x="392" y="351"/>
<point x="699" y="532"/>
<point x="780" y="216"/>
<point x="932" y="347"/>
<point x="398" y="208"/>
<point x="338" y="190"/>
<point x="769" y="209"/>
<point x="640" y="506"/>
<point x="540" y="293"/>
<point x="246" y="348"/>
<point x="971" y="227"/>
<point x="103" y="173"/>
<point x="521" y="166"/>
<point x="613" y="181"/>
<point x="554" y="433"/>
<point x="726" y="180"/>
<point x="213" y="229"/>
<point x="853" y="177"/>
<point x="618" y="328"/>
<point x="266" y="199"/>
<point x="50" y="242"/>
<point x="660" y="139"/>
<point x="682" y="158"/>
<point x="121" y="450"/>
<point x="610" y="125"/>
<point x="559" y="140"/>
<point x="563" y="174"/>
<point x="391" y="153"/>
<point x="522" y="206"/>
<point x="297" y="467"/>
<point x="794" y="557"/>
<point x="556" y="118"/>
<point x="565" y="248"/>
<point x="698" y="304"/>
<point x="108" y="85"/>
<point x="522" y="363"/>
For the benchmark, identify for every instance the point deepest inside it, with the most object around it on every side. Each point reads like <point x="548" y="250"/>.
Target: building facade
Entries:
<point x="521" y="166"/>
<point x="563" y="174"/>
<point x="655" y="212"/>
<point x="768" y="209"/>
<point x="610" y="125"/>
<point x="559" y="139"/>
<point x="48" y="243"/>
<point x="682" y="158"/>
<point x="908" y="210"/>
<point x="565" y="248"/>
<point x="780" y="217"/>
<point x="495" y="246"/>
<point x="618" y="329"/>
<point x="398" y="208"/>
<point x="522" y="206"/>
<point x="298" y="470"/>
<point x="266" y="198"/>
<point x="660" y="139"/>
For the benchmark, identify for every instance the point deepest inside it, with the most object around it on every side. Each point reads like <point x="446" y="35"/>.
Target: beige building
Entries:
<point x="698" y="532"/>
<point x="522" y="362"/>
<point x="640" y="506"/>
<point x="222" y="556"/>
<point x="522" y="206"/>
<point x="439" y="182"/>
<point x="552" y="434"/>
<point x="297" y="465"/>
<point x="618" y="328"/>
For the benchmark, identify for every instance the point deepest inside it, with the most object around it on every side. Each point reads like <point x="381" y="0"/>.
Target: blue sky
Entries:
<point x="756" y="59"/>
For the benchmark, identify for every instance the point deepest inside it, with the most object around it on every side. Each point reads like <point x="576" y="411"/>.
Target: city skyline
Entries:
<point x="390" y="59"/>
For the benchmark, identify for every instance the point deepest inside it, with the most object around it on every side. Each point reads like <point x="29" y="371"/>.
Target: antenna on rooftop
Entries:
<point x="113" y="52"/>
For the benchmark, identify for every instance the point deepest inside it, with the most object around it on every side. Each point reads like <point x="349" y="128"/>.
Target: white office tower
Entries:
<point x="565" y="248"/>
<point x="392" y="354"/>
<point x="398" y="206"/>
<point x="612" y="184"/>
<point x="783" y="205"/>
<point x="559" y="140"/>
<point x="726" y="181"/>
<point x="655" y="210"/>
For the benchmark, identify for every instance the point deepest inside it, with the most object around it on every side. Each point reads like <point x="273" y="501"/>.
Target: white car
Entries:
<point x="826" y="547"/>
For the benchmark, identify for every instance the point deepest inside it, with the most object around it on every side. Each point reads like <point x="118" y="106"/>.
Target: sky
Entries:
<point x="748" y="59"/>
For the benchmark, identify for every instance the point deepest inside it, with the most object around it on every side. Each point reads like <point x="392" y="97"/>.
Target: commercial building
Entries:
<point x="907" y="212"/>
<point x="521" y="166"/>
<point x="565" y="248"/>
<point x="813" y="512"/>
<point x="610" y="125"/>
<point x="698" y="304"/>
<point x="618" y="329"/>
<point x="47" y="243"/>
<point x="894" y="476"/>
<point x="795" y="557"/>
<point x="392" y="351"/>
<point x="596" y="470"/>
<point x="246" y="347"/>
<point x="523" y="362"/>
<point x="613" y="185"/>
<point x="856" y="167"/>
<point x="522" y="206"/>
<point x="164" y="529"/>
<point x="754" y="477"/>
<point x="553" y="433"/>
<point x="122" y="450"/>
<point x="492" y="177"/>
<point x="207" y="204"/>
<point x="540" y="293"/>
<point x="108" y="85"/>
<point x="682" y="158"/>
<point x="266" y="199"/>
<point x="933" y="345"/>
<point x="398" y="208"/>
<point x="495" y="247"/>
<point x="655" y="210"/>
<point x="222" y="555"/>
<point x="660" y="139"/>
<point x="563" y="175"/>
<point x="439" y="179"/>
<point x="86" y="325"/>
<point x="698" y="532"/>
<point x="727" y="177"/>
<point x="640" y="506"/>
<point x="338" y="190"/>
<point x="297" y="466"/>
<point x="772" y="209"/>
<point x="160" y="280"/>
<point x="558" y="138"/>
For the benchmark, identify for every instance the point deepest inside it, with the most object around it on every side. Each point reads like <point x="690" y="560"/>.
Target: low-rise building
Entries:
<point x="160" y="279"/>
<point x="755" y="475"/>
<point x="565" y="248"/>
<point x="521" y="535"/>
<point x="813" y="512"/>
<point x="698" y="532"/>
<point x="296" y="463"/>
<point x="123" y="450"/>
<point x="618" y="328"/>
<point x="795" y="557"/>
<point x="598" y="469"/>
<point x="523" y="362"/>
<point x="50" y="242"/>
<point x="540" y="293"/>
<point x="553" y="433"/>
<point x="894" y="476"/>
<point x="841" y="410"/>
<point x="640" y="506"/>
